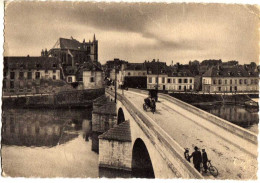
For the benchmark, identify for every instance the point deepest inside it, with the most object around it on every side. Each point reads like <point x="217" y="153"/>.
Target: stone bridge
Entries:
<point x="150" y="146"/>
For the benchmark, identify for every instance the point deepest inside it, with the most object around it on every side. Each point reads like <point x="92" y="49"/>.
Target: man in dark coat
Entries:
<point x="204" y="160"/>
<point x="196" y="155"/>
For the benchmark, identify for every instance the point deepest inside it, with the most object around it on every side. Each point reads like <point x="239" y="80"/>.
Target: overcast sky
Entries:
<point x="137" y="32"/>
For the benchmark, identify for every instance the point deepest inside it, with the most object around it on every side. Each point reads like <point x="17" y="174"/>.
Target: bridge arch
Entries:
<point x="141" y="162"/>
<point x="120" y="116"/>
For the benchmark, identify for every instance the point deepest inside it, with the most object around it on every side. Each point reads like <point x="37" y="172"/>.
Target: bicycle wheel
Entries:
<point x="213" y="171"/>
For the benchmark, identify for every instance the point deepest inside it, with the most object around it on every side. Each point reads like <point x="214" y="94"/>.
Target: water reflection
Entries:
<point x="236" y="114"/>
<point x="38" y="128"/>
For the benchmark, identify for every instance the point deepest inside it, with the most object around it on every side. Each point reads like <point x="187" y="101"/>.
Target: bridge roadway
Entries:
<point x="234" y="157"/>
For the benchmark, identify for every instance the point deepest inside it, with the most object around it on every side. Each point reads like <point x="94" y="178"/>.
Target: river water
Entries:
<point x="48" y="143"/>
<point x="237" y="114"/>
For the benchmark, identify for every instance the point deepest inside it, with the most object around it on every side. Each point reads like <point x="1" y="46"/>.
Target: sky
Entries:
<point x="176" y="32"/>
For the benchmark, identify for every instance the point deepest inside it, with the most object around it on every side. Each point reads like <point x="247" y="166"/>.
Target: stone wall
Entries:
<point x="115" y="154"/>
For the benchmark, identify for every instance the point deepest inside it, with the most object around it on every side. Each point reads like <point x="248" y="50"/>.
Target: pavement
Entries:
<point x="234" y="157"/>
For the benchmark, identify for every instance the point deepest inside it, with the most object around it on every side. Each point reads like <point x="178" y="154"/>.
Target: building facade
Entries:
<point x="180" y="81"/>
<point x="229" y="80"/>
<point x="23" y="74"/>
<point x="92" y="77"/>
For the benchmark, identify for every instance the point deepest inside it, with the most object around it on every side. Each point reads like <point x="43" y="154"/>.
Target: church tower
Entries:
<point x="94" y="49"/>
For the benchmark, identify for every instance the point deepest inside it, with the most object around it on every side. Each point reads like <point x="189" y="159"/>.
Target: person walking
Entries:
<point x="204" y="160"/>
<point x="196" y="155"/>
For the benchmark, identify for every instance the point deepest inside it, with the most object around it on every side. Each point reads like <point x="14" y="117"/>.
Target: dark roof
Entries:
<point x="69" y="44"/>
<point x="236" y="71"/>
<point x="121" y="132"/>
<point x="180" y="73"/>
<point x="31" y="63"/>
<point x="156" y="67"/>
<point x="135" y="66"/>
<point x="72" y="44"/>
<point x="90" y="66"/>
<point x="108" y="108"/>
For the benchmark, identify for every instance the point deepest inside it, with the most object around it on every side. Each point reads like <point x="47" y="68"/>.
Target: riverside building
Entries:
<point x="228" y="80"/>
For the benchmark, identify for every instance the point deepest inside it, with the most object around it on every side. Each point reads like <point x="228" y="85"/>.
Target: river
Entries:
<point x="237" y="114"/>
<point x="48" y="143"/>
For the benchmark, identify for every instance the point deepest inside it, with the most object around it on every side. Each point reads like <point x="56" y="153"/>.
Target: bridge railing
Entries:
<point x="169" y="149"/>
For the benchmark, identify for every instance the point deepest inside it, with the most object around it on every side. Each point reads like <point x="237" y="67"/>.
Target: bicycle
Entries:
<point x="213" y="170"/>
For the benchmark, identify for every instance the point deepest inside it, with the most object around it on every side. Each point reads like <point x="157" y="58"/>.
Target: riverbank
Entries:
<point x="65" y="99"/>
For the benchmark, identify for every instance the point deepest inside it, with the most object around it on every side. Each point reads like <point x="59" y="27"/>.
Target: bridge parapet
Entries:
<point x="170" y="150"/>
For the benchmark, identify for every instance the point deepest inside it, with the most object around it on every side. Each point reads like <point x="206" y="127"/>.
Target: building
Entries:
<point x="171" y="81"/>
<point x="135" y="75"/>
<point x="182" y="80"/>
<point x="92" y="76"/>
<point x="236" y="79"/>
<point x="72" y="54"/>
<point x="23" y="74"/>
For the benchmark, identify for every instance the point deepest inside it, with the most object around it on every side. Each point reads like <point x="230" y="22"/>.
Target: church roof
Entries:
<point x="121" y="133"/>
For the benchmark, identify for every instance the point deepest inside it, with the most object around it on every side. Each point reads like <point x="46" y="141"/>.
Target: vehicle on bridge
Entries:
<point x="149" y="103"/>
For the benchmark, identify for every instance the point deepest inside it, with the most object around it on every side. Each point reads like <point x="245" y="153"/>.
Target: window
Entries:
<point x="190" y="80"/>
<point x="37" y="75"/>
<point x="231" y="81"/>
<point x="219" y="88"/>
<point x="11" y="84"/>
<point x="92" y="79"/>
<point x="214" y="81"/>
<point x="29" y="75"/>
<point x="256" y="81"/>
<point x="156" y="80"/>
<point x="129" y="73"/>
<point x="169" y="80"/>
<point x="46" y="71"/>
<point x="240" y="81"/>
<point x="190" y="87"/>
<point x="219" y="81"/>
<point x="204" y="81"/>
<point x="21" y="75"/>
<point x="54" y="77"/>
<point x="235" y="81"/>
<point x="69" y="79"/>
<point x="180" y="80"/>
<point x="4" y="84"/>
<point x="163" y="79"/>
<point x="173" y="80"/>
<point x="144" y="74"/>
<point x="12" y="75"/>
<point x="179" y="87"/>
<point x="245" y="81"/>
<point x="185" y="80"/>
<point x="54" y="71"/>
<point x="252" y="81"/>
<point x="54" y="65"/>
<point x="225" y="81"/>
<point x="150" y="80"/>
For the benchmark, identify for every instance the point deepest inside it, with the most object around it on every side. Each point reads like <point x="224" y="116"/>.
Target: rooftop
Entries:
<point x="31" y="62"/>
<point x="236" y="71"/>
<point x="119" y="133"/>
